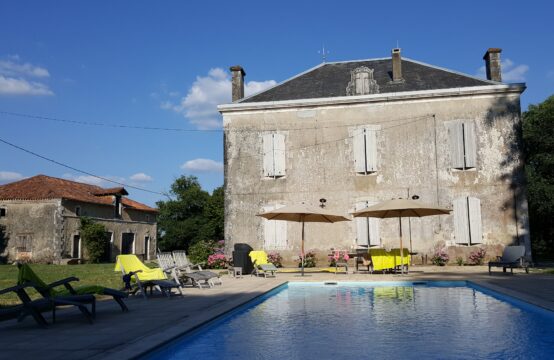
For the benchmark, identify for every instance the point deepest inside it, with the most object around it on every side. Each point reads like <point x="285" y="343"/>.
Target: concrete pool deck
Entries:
<point x="116" y="335"/>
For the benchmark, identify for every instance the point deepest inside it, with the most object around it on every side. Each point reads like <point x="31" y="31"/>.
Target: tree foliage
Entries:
<point x="95" y="239"/>
<point x="191" y="216"/>
<point x="538" y="135"/>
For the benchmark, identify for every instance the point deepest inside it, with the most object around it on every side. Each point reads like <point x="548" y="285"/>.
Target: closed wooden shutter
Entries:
<point x="456" y="144"/>
<point x="268" y="161"/>
<point x="275" y="231"/>
<point x="374" y="234"/>
<point x="371" y="148"/>
<point x="461" y="225"/>
<point x="470" y="150"/>
<point x="362" y="226"/>
<point x="358" y="141"/>
<point x="475" y="224"/>
<point x="279" y="154"/>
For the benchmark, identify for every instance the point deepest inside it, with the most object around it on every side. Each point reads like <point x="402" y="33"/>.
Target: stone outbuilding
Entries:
<point x="350" y="134"/>
<point x="40" y="220"/>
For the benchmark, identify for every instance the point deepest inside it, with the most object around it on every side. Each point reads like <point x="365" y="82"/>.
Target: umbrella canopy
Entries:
<point x="399" y="208"/>
<point x="303" y="213"/>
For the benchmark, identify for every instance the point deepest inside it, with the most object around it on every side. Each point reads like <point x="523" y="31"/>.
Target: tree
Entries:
<point x="538" y="136"/>
<point x="192" y="216"/>
<point x="95" y="239"/>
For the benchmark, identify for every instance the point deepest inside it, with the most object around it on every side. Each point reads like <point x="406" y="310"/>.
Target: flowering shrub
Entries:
<point x="478" y="256"/>
<point x="275" y="258"/>
<point x="309" y="259"/>
<point x="217" y="261"/>
<point x="440" y="257"/>
<point x="460" y="261"/>
<point x="338" y="256"/>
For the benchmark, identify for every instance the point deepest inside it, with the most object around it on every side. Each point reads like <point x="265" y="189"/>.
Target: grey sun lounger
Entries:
<point x="181" y="274"/>
<point x="512" y="257"/>
<point x="182" y="262"/>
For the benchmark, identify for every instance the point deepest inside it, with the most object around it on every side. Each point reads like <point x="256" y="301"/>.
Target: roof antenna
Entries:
<point x="323" y="54"/>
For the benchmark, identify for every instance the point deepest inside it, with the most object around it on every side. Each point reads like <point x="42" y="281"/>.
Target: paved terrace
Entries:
<point x="116" y="335"/>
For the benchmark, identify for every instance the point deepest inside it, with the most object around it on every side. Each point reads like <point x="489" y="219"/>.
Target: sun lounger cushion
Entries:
<point x="133" y="263"/>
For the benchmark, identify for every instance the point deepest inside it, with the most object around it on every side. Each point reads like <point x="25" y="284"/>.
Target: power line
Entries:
<point x="78" y="170"/>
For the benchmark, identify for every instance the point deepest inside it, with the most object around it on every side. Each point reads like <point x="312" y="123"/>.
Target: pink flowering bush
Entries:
<point x="275" y="258"/>
<point x="309" y="259"/>
<point x="477" y="257"/>
<point x="339" y="256"/>
<point x="440" y="257"/>
<point x="217" y="261"/>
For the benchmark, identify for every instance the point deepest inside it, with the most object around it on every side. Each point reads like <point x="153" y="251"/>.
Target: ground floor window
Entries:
<point x="275" y="231"/>
<point x="127" y="243"/>
<point x="76" y="247"/>
<point x="467" y="221"/>
<point x="147" y="247"/>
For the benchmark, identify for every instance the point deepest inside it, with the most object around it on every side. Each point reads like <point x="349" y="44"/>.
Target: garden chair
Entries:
<point x="144" y="278"/>
<point x="512" y="257"/>
<point x="26" y="274"/>
<point x="35" y="308"/>
<point x="261" y="265"/>
<point x="183" y="263"/>
<point x="181" y="274"/>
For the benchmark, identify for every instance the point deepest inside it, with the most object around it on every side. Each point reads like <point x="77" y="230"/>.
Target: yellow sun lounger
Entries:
<point x="261" y="265"/>
<point x="134" y="270"/>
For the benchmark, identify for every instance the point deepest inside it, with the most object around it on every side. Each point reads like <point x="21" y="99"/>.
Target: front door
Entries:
<point x="128" y="243"/>
<point x="76" y="254"/>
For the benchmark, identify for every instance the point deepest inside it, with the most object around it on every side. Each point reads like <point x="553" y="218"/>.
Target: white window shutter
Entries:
<point x="456" y="142"/>
<point x="362" y="226"/>
<point x="267" y="148"/>
<point x="461" y="225"/>
<point x="279" y="154"/>
<point x="275" y="231"/>
<point x="358" y="142"/>
<point x="280" y="234"/>
<point x="371" y="149"/>
<point x="374" y="234"/>
<point x="475" y="224"/>
<point x="470" y="149"/>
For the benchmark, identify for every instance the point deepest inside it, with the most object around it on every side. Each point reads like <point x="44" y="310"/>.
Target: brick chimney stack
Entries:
<point x="396" y="65"/>
<point x="237" y="83"/>
<point x="492" y="62"/>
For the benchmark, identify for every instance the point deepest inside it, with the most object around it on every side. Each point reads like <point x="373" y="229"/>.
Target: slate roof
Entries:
<point x="331" y="80"/>
<point x="42" y="187"/>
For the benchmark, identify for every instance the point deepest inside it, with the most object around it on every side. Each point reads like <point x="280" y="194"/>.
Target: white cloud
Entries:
<point x="13" y="86"/>
<point x="141" y="177"/>
<point x="199" y="105"/>
<point x="203" y="165"/>
<point x="9" y="176"/>
<point x="15" y="78"/>
<point x="510" y="71"/>
<point x="88" y="179"/>
<point x="16" y="68"/>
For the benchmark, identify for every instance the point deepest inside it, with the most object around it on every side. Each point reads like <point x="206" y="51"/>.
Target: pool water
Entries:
<point x="439" y="320"/>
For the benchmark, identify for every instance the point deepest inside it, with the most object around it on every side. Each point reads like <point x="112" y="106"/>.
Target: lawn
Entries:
<point x="88" y="274"/>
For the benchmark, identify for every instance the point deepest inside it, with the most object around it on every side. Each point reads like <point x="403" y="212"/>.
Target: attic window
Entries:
<point x="77" y="211"/>
<point x="2" y="212"/>
<point x="362" y="82"/>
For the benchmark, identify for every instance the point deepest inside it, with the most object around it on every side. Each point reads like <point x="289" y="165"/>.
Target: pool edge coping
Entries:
<point x="530" y="299"/>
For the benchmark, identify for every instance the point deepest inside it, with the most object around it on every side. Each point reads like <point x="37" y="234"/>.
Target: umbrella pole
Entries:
<point x="401" y="249"/>
<point x="303" y="255"/>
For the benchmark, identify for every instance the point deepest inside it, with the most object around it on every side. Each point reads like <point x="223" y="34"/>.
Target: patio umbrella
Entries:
<point x="302" y="213"/>
<point x="400" y="208"/>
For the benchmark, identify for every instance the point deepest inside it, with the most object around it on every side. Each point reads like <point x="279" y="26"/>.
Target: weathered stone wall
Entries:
<point x="413" y="156"/>
<point x="40" y="221"/>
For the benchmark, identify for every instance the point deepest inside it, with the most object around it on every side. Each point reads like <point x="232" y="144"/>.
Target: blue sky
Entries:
<point x="165" y="64"/>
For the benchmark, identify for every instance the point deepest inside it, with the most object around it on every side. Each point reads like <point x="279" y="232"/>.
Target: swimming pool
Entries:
<point x="384" y="320"/>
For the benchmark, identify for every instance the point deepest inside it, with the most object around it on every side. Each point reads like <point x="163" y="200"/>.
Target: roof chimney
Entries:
<point x="396" y="65"/>
<point x="492" y="61"/>
<point x="237" y="82"/>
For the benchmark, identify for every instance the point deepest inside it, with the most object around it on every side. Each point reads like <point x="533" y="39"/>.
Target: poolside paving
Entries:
<point x="116" y="335"/>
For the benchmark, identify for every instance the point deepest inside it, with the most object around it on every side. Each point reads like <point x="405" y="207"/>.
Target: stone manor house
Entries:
<point x="359" y="132"/>
<point x="39" y="220"/>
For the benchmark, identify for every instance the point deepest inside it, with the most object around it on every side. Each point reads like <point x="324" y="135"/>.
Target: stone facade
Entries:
<point x="413" y="136"/>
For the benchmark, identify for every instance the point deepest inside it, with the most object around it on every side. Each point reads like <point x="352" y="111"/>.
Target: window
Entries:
<point x="273" y="155"/>
<point x="461" y="136"/>
<point x="275" y="231"/>
<point x="117" y="206"/>
<point x="147" y="247"/>
<point x="109" y="245"/>
<point x="364" y="141"/>
<point x="77" y="210"/>
<point x="128" y="243"/>
<point x="467" y="221"/>
<point x="24" y="243"/>
<point x="3" y="212"/>
<point x="147" y="218"/>
<point x="367" y="229"/>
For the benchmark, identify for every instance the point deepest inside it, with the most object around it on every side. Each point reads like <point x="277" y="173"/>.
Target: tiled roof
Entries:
<point x="42" y="187"/>
<point x="331" y="80"/>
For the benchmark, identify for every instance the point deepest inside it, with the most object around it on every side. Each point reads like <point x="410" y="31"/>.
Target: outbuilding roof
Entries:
<point x="42" y="187"/>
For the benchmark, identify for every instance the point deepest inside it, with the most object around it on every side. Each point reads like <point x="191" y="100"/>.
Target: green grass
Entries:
<point x="88" y="274"/>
